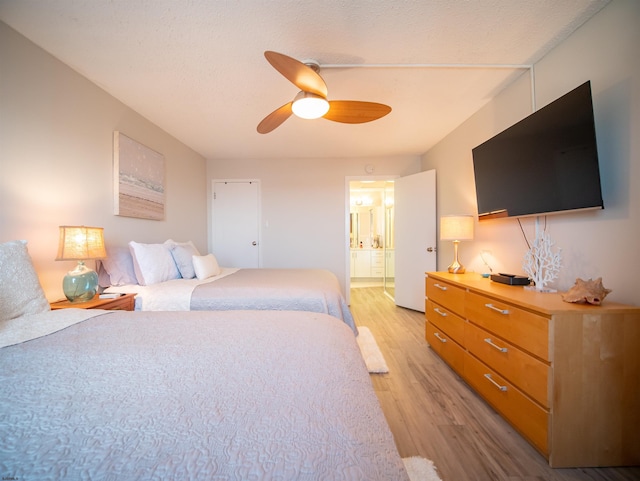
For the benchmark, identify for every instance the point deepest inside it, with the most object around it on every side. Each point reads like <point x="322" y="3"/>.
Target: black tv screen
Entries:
<point x="546" y="163"/>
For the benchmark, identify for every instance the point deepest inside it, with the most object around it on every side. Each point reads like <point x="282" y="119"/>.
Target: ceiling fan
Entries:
<point x="311" y="102"/>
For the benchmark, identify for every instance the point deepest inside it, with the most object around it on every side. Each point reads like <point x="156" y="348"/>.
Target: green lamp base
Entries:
<point x="80" y="284"/>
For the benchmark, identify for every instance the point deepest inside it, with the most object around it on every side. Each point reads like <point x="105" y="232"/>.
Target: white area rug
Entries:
<point x="420" y="469"/>
<point x="373" y="358"/>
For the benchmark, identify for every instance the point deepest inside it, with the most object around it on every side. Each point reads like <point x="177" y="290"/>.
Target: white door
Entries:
<point x="236" y="223"/>
<point x="415" y="233"/>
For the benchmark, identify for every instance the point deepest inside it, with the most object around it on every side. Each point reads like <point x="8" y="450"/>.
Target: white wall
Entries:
<point x="56" y="150"/>
<point x="304" y="205"/>
<point x="594" y="244"/>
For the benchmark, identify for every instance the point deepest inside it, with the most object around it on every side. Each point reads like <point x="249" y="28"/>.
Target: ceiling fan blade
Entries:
<point x="302" y="76"/>
<point x="355" y="112"/>
<point x="275" y="118"/>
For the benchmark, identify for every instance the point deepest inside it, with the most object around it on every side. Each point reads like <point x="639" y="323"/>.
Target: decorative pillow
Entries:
<point x="206" y="266"/>
<point x="153" y="263"/>
<point x="20" y="290"/>
<point x="183" y="253"/>
<point x="119" y="266"/>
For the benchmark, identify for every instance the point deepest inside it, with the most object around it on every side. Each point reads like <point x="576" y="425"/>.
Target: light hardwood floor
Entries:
<point x="432" y="413"/>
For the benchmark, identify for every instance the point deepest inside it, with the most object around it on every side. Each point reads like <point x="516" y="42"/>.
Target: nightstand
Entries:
<point x="122" y="303"/>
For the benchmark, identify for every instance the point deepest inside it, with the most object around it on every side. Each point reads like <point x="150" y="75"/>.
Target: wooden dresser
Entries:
<point x="566" y="376"/>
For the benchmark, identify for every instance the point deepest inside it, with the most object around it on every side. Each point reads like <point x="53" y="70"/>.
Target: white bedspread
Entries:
<point x="311" y="290"/>
<point x="173" y="295"/>
<point x="233" y="395"/>
<point x="25" y="328"/>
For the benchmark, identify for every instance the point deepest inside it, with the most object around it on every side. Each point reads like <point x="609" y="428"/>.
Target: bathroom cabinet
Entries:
<point x="367" y="263"/>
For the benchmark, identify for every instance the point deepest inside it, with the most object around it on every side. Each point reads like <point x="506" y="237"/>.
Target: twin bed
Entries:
<point x="197" y="283"/>
<point x="229" y="395"/>
<point x="310" y="290"/>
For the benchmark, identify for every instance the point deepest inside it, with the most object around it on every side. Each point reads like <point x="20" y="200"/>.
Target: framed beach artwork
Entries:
<point x="138" y="177"/>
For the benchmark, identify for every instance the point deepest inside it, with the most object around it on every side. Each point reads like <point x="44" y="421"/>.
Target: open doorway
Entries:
<point x="371" y="242"/>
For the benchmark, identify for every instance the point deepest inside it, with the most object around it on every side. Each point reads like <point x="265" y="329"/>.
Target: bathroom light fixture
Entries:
<point x="309" y="106"/>
<point x="80" y="243"/>
<point x="456" y="228"/>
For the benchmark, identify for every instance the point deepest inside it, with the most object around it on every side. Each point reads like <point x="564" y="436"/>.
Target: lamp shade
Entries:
<point x="80" y="243"/>
<point x="456" y="227"/>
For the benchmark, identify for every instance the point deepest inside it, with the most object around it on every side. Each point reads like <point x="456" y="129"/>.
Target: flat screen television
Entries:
<point x="545" y="164"/>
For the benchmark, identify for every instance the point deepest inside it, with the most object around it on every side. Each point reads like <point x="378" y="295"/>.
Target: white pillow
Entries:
<point x="20" y="290"/>
<point x="119" y="267"/>
<point x="206" y="266"/>
<point x="153" y="263"/>
<point x="182" y="253"/>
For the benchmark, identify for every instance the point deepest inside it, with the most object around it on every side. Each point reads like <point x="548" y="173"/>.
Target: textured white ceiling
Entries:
<point x="196" y="67"/>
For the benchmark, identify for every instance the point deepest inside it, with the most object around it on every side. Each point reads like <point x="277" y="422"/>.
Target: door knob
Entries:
<point x="254" y="243"/>
<point x="431" y="249"/>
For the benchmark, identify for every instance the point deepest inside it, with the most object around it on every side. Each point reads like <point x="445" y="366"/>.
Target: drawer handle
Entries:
<point x="441" y="339"/>
<point x="501" y="311"/>
<point x="490" y="342"/>
<point x="442" y="288"/>
<point x="502" y="388"/>
<point x="443" y="314"/>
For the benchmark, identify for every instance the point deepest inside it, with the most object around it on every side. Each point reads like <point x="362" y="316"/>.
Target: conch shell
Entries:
<point x="591" y="292"/>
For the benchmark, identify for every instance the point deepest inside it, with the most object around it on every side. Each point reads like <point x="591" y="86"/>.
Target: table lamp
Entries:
<point x="80" y="243"/>
<point x="456" y="228"/>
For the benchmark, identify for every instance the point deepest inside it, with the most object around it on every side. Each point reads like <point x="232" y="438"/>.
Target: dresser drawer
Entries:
<point x="524" y="414"/>
<point x="445" y="294"/>
<point x="445" y="347"/>
<point x="525" y="371"/>
<point x="446" y="320"/>
<point x="524" y="329"/>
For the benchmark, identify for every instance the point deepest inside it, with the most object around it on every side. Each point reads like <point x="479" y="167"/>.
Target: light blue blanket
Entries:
<point x="311" y="290"/>
<point x="235" y="395"/>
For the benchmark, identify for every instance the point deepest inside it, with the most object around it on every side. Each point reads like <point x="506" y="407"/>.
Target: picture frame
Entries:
<point x="138" y="179"/>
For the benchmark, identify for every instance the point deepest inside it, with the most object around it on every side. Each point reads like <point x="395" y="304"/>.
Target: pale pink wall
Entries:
<point x="56" y="132"/>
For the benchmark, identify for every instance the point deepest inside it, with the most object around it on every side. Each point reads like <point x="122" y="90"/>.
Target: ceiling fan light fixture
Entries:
<point x="309" y="106"/>
<point x="311" y="102"/>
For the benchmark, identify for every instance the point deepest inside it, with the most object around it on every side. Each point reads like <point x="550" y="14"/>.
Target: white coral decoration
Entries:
<point x="540" y="263"/>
